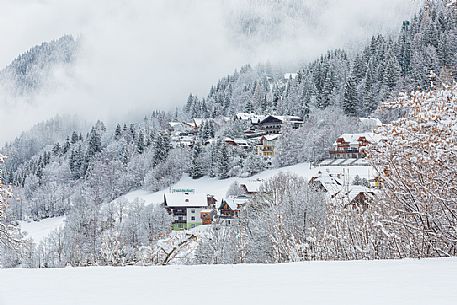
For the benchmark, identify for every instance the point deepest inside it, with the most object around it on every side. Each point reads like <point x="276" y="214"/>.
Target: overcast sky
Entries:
<point x="138" y="55"/>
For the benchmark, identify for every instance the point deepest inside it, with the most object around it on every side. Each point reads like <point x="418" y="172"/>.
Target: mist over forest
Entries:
<point x="138" y="56"/>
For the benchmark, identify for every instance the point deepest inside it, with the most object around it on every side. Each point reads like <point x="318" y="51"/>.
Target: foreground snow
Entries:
<point x="219" y="188"/>
<point x="415" y="282"/>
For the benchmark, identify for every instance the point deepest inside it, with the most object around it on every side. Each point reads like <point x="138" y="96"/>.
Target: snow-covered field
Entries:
<point x="403" y="282"/>
<point x="219" y="188"/>
<point x="38" y="230"/>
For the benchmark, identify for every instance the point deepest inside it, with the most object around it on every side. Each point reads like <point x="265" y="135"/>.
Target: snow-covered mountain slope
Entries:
<point x="219" y="188"/>
<point x="406" y="282"/>
<point x="30" y="70"/>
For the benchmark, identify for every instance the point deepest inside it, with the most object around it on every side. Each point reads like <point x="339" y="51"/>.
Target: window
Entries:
<point x="179" y="217"/>
<point x="193" y="211"/>
<point x="192" y="218"/>
<point x="186" y="200"/>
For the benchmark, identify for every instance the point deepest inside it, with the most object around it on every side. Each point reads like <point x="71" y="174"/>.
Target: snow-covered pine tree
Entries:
<point x="66" y="146"/>
<point x="118" y="132"/>
<point x="76" y="161"/>
<point x="74" y="137"/>
<point x="223" y="166"/>
<point x="253" y="164"/>
<point x="350" y="100"/>
<point x="140" y="142"/>
<point x="404" y="42"/>
<point x="196" y="170"/>
<point x="391" y="70"/>
<point x="162" y="147"/>
<point x="95" y="143"/>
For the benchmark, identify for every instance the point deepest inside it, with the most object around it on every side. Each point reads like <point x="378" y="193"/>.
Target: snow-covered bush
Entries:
<point x="7" y="237"/>
<point x="418" y="163"/>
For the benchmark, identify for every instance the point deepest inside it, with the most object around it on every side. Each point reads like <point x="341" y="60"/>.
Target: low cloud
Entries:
<point x="141" y="55"/>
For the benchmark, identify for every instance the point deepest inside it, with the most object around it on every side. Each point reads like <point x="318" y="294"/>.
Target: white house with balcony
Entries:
<point x="189" y="209"/>
<point x="353" y="146"/>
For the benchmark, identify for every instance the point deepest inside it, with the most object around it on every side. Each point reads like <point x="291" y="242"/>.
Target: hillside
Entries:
<point x="38" y="230"/>
<point x="251" y="121"/>
<point x="219" y="188"/>
<point x="406" y="282"/>
<point x="30" y="70"/>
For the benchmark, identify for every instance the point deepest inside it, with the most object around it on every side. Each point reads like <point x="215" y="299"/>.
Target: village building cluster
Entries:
<point x="191" y="209"/>
<point x="261" y="134"/>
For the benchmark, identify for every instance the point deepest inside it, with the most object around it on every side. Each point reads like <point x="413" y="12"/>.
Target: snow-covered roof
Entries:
<point x="254" y="118"/>
<point x="288" y="118"/>
<point x="332" y="184"/>
<point x="290" y="75"/>
<point x="234" y="202"/>
<point x="257" y="119"/>
<point x="241" y="142"/>
<point x="353" y="138"/>
<point x="179" y="124"/>
<point x="245" y="115"/>
<point x="186" y="199"/>
<point x="271" y="137"/>
<point x="252" y="186"/>
<point x="355" y="190"/>
<point x="284" y="118"/>
<point x="173" y="124"/>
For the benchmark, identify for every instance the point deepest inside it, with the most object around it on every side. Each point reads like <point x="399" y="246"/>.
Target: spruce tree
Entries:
<point x="223" y="162"/>
<point x="75" y="162"/>
<point x="162" y="148"/>
<point x="66" y="146"/>
<point x="140" y="143"/>
<point x="74" y="137"/>
<point x="350" y="100"/>
<point x="190" y="103"/>
<point x="405" y="48"/>
<point x="118" y="133"/>
<point x="196" y="170"/>
<point x="391" y="71"/>
<point x="56" y="149"/>
<point x="95" y="143"/>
